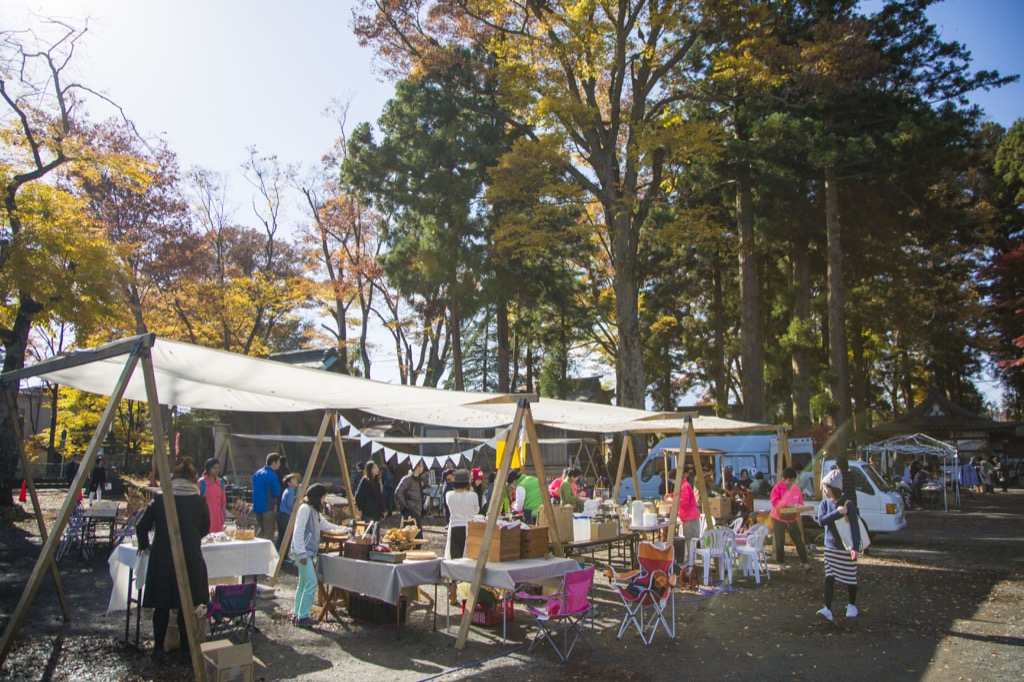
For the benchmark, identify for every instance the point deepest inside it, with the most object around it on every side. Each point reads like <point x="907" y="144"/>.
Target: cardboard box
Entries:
<point x="720" y="506"/>
<point x="603" y="530"/>
<point x="227" y="662"/>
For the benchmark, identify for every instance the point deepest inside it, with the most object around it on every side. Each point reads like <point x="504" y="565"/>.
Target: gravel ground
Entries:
<point x="939" y="601"/>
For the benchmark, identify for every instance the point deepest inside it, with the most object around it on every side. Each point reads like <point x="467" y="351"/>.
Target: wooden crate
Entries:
<point x="505" y="544"/>
<point x="533" y="543"/>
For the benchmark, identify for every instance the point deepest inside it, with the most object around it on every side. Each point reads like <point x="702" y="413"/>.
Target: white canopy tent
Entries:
<point x="919" y="446"/>
<point x="206" y="378"/>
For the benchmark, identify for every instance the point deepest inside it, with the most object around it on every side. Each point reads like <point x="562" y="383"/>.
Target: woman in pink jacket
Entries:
<point x="689" y="512"/>
<point x="211" y="486"/>
<point x="787" y="494"/>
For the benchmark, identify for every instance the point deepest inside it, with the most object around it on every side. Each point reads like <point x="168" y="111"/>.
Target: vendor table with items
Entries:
<point x="223" y="560"/>
<point x="378" y="580"/>
<point x="507" y="575"/>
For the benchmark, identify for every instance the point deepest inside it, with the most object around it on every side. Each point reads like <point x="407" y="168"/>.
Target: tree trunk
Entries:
<point x="801" y="358"/>
<point x="15" y="345"/>
<point x="456" y="334"/>
<point x="718" y="350"/>
<point x="629" y="363"/>
<point x="859" y="376"/>
<point x="838" y="363"/>
<point x="504" y="346"/>
<point x="751" y="341"/>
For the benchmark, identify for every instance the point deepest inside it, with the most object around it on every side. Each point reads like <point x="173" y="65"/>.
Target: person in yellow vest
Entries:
<point x="526" y="495"/>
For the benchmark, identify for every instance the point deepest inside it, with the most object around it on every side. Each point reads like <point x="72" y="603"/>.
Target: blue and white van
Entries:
<point x="753" y="452"/>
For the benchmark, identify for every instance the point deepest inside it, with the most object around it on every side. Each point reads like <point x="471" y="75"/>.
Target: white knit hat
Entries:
<point x="833" y="479"/>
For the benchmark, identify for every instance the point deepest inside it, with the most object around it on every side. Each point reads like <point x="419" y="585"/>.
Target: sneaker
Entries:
<point x="782" y="567"/>
<point x="807" y="567"/>
<point x="851" y="611"/>
<point x="306" y="622"/>
<point x="826" y="613"/>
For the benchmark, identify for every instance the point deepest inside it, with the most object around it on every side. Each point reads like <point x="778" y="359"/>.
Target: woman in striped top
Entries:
<point x="840" y="562"/>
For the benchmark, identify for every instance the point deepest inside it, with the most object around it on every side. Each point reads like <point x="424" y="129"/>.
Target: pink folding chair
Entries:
<point x="564" y="613"/>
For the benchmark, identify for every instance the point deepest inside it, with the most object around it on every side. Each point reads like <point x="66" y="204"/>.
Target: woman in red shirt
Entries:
<point x="787" y="494"/>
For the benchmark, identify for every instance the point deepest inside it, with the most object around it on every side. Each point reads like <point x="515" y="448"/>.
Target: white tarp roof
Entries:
<point x="207" y="378"/>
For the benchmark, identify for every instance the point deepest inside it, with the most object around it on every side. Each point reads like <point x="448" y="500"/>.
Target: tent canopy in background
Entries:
<point x="211" y="379"/>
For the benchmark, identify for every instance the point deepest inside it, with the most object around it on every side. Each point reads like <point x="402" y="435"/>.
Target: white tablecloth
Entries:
<point x="223" y="560"/>
<point x="375" y="578"/>
<point x="507" y="574"/>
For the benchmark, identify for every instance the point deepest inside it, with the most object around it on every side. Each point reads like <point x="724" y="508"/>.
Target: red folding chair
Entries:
<point x="648" y="593"/>
<point x="564" y="613"/>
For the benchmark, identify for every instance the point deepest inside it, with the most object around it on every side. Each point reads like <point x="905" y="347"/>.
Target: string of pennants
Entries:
<point x="392" y="455"/>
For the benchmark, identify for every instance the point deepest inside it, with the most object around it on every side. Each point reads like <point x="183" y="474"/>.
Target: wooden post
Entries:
<point x="785" y="457"/>
<point x="538" y="464"/>
<point x="632" y="464"/>
<point x="622" y="464"/>
<point x="50" y="546"/>
<point x="300" y="492"/>
<point x="339" y="447"/>
<point x="171" y="511"/>
<point x="500" y="481"/>
<point x="680" y="467"/>
<point x="702" y="488"/>
<point x="30" y="483"/>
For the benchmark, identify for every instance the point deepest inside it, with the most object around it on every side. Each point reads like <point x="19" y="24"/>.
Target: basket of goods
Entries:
<point x="398" y="540"/>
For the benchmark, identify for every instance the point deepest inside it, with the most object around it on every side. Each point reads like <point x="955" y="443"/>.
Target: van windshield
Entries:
<point x="878" y="480"/>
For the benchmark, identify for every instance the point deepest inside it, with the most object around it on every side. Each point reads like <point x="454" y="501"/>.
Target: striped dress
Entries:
<point x="838" y="563"/>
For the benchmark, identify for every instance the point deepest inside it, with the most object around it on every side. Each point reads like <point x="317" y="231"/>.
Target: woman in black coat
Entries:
<point x="369" y="494"/>
<point x="161" y="581"/>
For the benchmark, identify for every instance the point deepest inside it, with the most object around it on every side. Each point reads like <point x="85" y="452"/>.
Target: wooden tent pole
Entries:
<point x="510" y="443"/>
<point x="160" y="454"/>
<point x="538" y="465"/>
<point x="30" y="483"/>
<point x="339" y="447"/>
<point x="286" y="539"/>
<point x="50" y="546"/>
<point x="680" y="467"/>
<point x="622" y="464"/>
<point x="632" y="464"/>
<point x="702" y="488"/>
<point x="785" y="458"/>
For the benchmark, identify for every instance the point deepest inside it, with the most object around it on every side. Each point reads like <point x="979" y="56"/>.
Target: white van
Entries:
<point x="880" y="506"/>
<point x="753" y="452"/>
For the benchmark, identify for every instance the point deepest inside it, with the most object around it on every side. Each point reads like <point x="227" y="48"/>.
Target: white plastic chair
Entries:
<point x="717" y="543"/>
<point x="752" y="555"/>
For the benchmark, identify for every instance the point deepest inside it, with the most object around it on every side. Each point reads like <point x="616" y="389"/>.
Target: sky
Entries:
<point x="215" y="77"/>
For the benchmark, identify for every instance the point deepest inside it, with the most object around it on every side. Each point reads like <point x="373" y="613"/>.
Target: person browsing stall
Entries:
<point x="309" y="523"/>
<point x="284" y="512"/>
<point x="161" y="593"/>
<point x="464" y="505"/>
<point x="567" y="492"/>
<point x="212" y="488"/>
<point x="370" y="494"/>
<point x="266" y="488"/>
<point x="409" y="496"/>
<point x="525" y="491"/>
<point x="787" y="494"/>
<point x="840" y="562"/>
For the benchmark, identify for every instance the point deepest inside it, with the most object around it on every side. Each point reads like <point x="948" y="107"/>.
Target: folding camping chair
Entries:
<point x="648" y="592"/>
<point x="118" y="535"/>
<point x="233" y="609"/>
<point x="78" y="532"/>
<point x="563" y="613"/>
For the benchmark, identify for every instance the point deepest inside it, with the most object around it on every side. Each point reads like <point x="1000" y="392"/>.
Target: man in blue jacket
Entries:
<point x="266" y="489"/>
